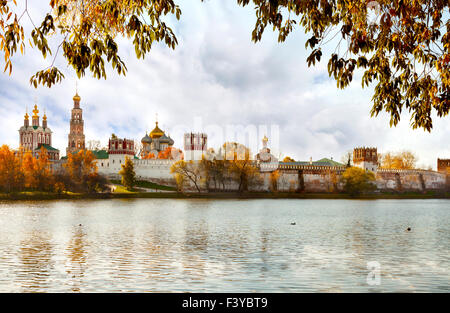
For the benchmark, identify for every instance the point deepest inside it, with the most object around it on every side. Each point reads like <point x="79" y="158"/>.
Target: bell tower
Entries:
<point x="76" y="135"/>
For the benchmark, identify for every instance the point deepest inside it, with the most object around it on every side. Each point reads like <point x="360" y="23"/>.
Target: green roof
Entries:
<point x="328" y="162"/>
<point x="100" y="154"/>
<point x="47" y="147"/>
<point x="321" y="162"/>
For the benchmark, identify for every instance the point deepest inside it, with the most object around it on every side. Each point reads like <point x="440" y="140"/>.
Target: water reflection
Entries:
<point x="223" y="246"/>
<point x="76" y="254"/>
<point x="35" y="262"/>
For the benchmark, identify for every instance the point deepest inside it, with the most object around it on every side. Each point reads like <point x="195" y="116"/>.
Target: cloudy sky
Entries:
<point x="217" y="78"/>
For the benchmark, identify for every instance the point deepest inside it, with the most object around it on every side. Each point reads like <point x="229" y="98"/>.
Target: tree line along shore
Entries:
<point x="24" y="177"/>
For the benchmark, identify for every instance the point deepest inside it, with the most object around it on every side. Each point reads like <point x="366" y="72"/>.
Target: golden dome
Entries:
<point x="35" y="111"/>
<point x="156" y="132"/>
<point x="26" y="116"/>
<point x="76" y="97"/>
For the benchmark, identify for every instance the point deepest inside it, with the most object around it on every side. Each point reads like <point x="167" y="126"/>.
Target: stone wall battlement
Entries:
<point x="413" y="171"/>
<point x="150" y="162"/>
<point x="312" y="167"/>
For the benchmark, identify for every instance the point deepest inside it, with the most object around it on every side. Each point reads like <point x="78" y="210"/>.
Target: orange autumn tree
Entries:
<point x="37" y="171"/>
<point x="149" y="155"/>
<point x="82" y="169"/>
<point x="170" y="153"/>
<point x="404" y="160"/>
<point x="11" y="174"/>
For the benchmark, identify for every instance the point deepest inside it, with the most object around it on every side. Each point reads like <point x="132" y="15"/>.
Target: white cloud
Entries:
<point x="217" y="73"/>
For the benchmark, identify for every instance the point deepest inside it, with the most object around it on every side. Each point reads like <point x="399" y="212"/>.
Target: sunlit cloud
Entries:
<point x="217" y="73"/>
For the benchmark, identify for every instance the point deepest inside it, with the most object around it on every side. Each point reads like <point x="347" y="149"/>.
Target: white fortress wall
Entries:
<point x="314" y="179"/>
<point x="152" y="170"/>
<point x="148" y="169"/>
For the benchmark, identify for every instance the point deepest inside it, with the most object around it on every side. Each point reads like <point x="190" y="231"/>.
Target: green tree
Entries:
<point x="357" y="181"/>
<point x="128" y="174"/>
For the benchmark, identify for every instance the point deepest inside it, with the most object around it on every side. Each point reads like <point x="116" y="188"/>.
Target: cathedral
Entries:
<point x="154" y="143"/>
<point x="35" y="137"/>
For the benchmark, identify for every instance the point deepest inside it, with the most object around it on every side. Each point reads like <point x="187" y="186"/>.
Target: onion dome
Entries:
<point x="76" y="97"/>
<point x="156" y="132"/>
<point x="164" y="139"/>
<point x="146" y="139"/>
<point x="171" y="142"/>
<point x="26" y="116"/>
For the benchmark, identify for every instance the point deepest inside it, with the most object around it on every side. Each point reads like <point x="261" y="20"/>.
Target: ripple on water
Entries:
<point x="163" y="245"/>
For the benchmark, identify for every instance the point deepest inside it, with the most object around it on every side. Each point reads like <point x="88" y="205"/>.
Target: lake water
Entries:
<point x="168" y="245"/>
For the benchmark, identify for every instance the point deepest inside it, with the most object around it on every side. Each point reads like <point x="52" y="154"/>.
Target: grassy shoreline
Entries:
<point x="217" y="195"/>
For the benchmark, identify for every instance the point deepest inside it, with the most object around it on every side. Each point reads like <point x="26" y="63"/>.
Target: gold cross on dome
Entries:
<point x="35" y="111"/>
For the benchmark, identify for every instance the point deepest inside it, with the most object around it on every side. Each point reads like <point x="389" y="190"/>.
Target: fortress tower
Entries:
<point x="195" y="145"/>
<point x="76" y="135"/>
<point x="443" y="165"/>
<point x="366" y="158"/>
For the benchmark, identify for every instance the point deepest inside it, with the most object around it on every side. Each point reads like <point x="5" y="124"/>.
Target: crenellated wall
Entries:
<point x="157" y="171"/>
<point x="329" y="180"/>
<point x="303" y="178"/>
<point x="410" y="180"/>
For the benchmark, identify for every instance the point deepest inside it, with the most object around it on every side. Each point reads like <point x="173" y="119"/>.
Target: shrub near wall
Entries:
<point x="358" y="181"/>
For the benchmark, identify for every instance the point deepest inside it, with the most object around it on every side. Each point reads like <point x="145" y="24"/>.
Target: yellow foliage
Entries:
<point x="403" y="160"/>
<point x="288" y="159"/>
<point x="274" y="180"/>
<point x="358" y="180"/>
<point x="80" y="165"/>
<point x="11" y="174"/>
